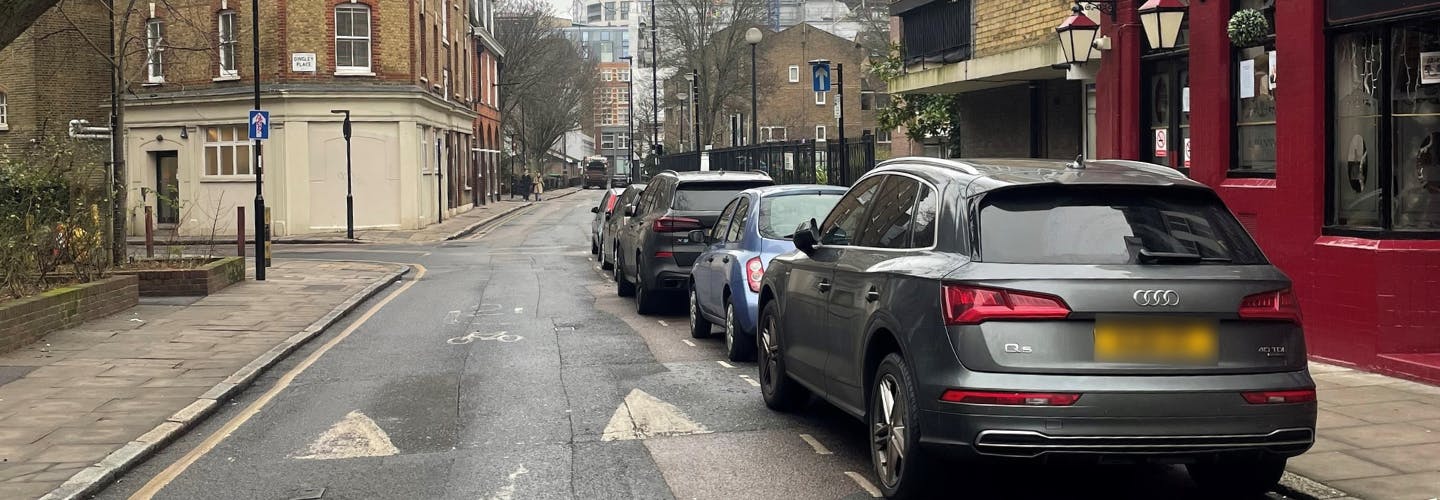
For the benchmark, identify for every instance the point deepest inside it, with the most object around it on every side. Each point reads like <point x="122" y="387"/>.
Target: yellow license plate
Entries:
<point x="1170" y="340"/>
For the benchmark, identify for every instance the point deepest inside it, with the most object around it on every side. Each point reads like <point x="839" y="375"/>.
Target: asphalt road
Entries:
<point x="511" y="370"/>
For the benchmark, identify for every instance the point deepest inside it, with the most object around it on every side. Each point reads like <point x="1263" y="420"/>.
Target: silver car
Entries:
<point x="1104" y="311"/>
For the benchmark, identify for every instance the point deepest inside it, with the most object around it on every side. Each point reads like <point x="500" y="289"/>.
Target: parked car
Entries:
<point x="754" y="228"/>
<point x="619" y="181"/>
<point x="1037" y="310"/>
<point x="602" y="213"/>
<point x="655" y="252"/>
<point x="609" y="245"/>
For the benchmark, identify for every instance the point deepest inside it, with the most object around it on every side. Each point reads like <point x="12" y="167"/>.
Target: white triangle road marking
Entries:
<point x="354" y="436"/>
<point x="642" y="416"/>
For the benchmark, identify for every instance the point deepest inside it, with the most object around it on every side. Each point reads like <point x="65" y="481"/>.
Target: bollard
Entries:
<point x="240" y="231"/>
<point x="149" y="232"/>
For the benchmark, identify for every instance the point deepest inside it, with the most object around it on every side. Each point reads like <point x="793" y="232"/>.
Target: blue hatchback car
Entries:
<point x="754" y="228"/>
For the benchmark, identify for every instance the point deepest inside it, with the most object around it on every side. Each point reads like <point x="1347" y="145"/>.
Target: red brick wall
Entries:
<point x="27" y="320"/>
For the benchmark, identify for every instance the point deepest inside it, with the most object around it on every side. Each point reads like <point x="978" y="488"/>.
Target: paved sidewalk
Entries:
<point x="1378" y="437"/>
<point x="452" y="228"/>
<point x="116" y="388"/>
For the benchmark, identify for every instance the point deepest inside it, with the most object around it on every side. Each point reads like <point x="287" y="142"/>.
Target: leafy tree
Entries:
<point x="924" y="116"/>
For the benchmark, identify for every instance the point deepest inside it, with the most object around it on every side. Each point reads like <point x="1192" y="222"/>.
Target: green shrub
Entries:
<point x="51" y="224"/>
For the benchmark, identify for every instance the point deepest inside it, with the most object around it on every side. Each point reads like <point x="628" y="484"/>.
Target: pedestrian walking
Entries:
<point x="539" y="186"/>
<point x="525" y="186"/>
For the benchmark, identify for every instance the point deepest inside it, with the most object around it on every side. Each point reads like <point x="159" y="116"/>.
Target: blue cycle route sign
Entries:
<point x="820" y="76"/>
<point x="259" y="125"/>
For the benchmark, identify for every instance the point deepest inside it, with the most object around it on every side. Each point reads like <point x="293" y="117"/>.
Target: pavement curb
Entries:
<point x="468" y="230"/>
<point x="92" y="479"/>
<point x="1299" y="487"/>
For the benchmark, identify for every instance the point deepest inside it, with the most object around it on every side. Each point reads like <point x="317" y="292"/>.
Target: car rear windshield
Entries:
<point x="1111" y="226"/>
<point x="709" y="196"/>
<point x="780" y="215"/>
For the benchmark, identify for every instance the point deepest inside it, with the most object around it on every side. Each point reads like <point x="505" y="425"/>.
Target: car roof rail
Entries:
<point x="1147" y="167"/>
<point x="938" y="162"/>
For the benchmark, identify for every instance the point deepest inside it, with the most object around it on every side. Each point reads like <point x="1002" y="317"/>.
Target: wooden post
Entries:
<point x="240" y="231"/>
<point x="149" y="232"/>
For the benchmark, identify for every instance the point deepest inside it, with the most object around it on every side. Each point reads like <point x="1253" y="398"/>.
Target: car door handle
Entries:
<point x="872" y="295"/>
<point x="823" y="286"/>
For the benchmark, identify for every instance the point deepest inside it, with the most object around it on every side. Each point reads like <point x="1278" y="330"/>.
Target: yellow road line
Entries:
<point x="165" y="477"/>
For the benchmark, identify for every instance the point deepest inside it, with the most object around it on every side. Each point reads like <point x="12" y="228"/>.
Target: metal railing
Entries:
<point x="937" y="33"/>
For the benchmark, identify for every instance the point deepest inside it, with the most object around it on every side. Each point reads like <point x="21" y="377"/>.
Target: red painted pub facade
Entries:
<point x="1332" y="162"/>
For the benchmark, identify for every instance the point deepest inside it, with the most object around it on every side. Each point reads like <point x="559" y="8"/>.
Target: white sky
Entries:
<point x="561" y="8"/>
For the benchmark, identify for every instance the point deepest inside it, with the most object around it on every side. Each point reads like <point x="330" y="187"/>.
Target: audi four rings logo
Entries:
<point x="1157" y="297"/>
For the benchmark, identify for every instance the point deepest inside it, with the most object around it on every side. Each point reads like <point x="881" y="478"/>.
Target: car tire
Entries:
<point x="895" y="455"/>
<point x="605" y="263"/>
<point x="1237" y="478"/>
<point x="699" y="326"/>
<point x="623" y="286"/>
<point x="644" y="297"/>
<point x="594" y="247"/>
<point x="738" y="346"/>
<point x="779" y="391"/>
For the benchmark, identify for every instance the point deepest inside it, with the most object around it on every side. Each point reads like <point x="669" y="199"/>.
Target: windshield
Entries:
<point x="595" y="167"/>
<point x="780" y="215"/>
<point x="709" y="196"/>
<point x="1111" y="226"/>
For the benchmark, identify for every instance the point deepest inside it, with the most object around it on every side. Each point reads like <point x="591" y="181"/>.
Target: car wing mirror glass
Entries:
<point x="630" y="211"/>
<point x="805" y="236"/>
<point x="594" y="210"/>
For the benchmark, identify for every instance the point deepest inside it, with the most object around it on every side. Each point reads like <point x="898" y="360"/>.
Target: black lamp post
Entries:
<point x="260" y="236"/>
<point x="694" y="77"/>
<point x="349" y="191"/>
<point x="630" y="119"/>
<point x="753" y="36"/>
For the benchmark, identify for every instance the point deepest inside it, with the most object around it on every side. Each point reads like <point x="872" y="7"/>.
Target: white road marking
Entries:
<point x="688" y="342"/>
<point x="864" y="484"/>
<point x="507" y="492"/>
<point x="452" y="317"/>
<point x="662" y="322"/>
<point x="354" y="436"/>
<point x="642" y="416"/>
<point x="505" y="337"/>
<point x="750" y="380"/>
<point x="519" y="310"/>
<point x="819" y="448"/>
<point x="724" y="364"/>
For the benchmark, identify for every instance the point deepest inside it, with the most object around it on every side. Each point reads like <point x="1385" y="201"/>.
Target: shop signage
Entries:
<point x="1187" y="152"/>
<point x="302" y="62"/>
<point x="1162" y="148"/>
<point x="1349" y="11"/>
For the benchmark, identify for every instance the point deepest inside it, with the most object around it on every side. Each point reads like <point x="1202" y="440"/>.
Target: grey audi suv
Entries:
<point x="1100" y="311"/>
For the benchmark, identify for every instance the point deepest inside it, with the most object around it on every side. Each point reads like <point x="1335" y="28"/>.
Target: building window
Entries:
<point x="622" y="140"/>
<point x="610" y="11"/>
<point x="4" y="113"/>
<point x="424" y="47"/>
<point x="352" y="39"/>
<point x="607" y="140"/>
<point x="226" y="29"/>
<point x="445" y="84"/>
<point x="819" y="132"/>
<point x="227" y="151"/>
<point x="882" y="137"/>
<point x="1385" y="157"/>
<point x="155" y="51"/>
<point x="592" y="13"/>
<point x="624" y="10"/>
<point x="1254" y="96"/>
<point x="624" y="75"/>
<point x="819" y="98"/>
<point x="607" y="75"/>
<point x="867" y="100"/>
<point x="445" y="21"/>
<point x="794" y="74"/>
<point x="772" y="134"/>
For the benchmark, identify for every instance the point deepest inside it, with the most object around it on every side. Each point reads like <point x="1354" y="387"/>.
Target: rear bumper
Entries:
<point x="664" y="275"/>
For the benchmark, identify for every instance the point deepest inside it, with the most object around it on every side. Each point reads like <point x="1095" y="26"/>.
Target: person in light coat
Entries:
<point x="539" y="184"/>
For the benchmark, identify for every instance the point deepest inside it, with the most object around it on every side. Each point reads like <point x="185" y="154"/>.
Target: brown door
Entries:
<point x="167" y="187"/>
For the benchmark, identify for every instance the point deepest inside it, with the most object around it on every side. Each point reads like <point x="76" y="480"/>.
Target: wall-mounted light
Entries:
<point x="1162" y="19"/>
<point x="184" y="132"/>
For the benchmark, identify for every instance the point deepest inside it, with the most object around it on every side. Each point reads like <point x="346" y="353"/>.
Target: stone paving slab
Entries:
<point x="92" y="394"/>
<point x="455" y="227"/>
<point x="1378" y="437"/>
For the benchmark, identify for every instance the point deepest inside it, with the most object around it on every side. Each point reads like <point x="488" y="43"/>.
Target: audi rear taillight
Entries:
<point x="1010" y="398"/>
<point x="1279" y="397"/>
<point x="967" y="305"/>
<point x="1279" y="305"/>
<point x="754" y="272"/>
<point x="669" y="224"/>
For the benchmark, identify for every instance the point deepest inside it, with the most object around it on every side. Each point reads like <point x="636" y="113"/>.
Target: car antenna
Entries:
<point x="1078" y="164"/>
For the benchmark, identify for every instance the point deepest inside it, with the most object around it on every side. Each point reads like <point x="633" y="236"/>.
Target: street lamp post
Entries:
<point x="684" y="103"/>
<point x="655" y="147"/>
<point x="694" y="78"/>
<point x="260" y="229"/>
<point x="349" y="191"/>
<point x="630" y="119"/>
<point x="753" y="35"/>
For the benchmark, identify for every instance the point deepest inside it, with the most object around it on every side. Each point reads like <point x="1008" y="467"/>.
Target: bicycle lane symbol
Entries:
<point x="505" y="337"/>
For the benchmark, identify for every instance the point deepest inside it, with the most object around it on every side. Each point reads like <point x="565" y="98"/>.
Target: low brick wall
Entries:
<point x="26" y="320"/>
<point x="203" y="280"/>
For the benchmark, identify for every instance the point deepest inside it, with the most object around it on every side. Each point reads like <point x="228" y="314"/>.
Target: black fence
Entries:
<point x="799" y="162"/>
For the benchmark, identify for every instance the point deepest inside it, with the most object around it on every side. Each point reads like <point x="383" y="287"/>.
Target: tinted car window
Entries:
<point x="722" y="225"/>
<point x="922" y="227"/>
<point x="1110" y="226"/>
<point x="742" y="214"/>
<point x="780" y="215"/>
<point x="845" y="221"/>
<point x="709" y="196"/>
<point x="887" y="221"/>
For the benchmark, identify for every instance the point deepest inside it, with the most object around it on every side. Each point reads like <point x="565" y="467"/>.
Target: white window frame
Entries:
<point x="767" y="134"/>
<point x="820" y="98"/>
<point x="820" y="133"/>
<point x="155" y="50"/>
<point x="883" y="139"/>
<point x="445" y="22"/>
<point x="231" y="147"/>
<point x="624" y="75"/>
<point x="445" y="83"/>
<point x="794" y="73"/>
<point x="4" y="112"/>
<point x="366" y="70"/>
<point x="607" y="138"/>
<point x="227" y="40"/>
<point x="622" y="140"/>
<point x="606" y="76"/>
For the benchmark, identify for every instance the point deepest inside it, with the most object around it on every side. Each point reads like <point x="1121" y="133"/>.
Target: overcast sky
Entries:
<point x="561" y="8"/>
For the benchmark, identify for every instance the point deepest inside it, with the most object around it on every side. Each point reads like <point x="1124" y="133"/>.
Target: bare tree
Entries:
<point x="708" y="37"/>
<point x="545" y="79"/>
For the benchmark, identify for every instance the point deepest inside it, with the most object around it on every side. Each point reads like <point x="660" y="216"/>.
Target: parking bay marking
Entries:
<point x="688" y="342"/>
<point x="750" y="380"/>
<point x="662" y="322"/>
<point x="864" y="484"/>
<point x="820" y="449"/>
<point x="724" y="364"/>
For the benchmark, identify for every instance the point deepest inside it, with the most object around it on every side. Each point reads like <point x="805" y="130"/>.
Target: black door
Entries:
<point x="1165" y="112"/>
<point x="167" y="187"/>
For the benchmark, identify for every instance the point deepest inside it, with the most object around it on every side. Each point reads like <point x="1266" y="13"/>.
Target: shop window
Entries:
<point x="1253" y="94"/>
<point x="1166" y="113"/>
<point x="1384" y="170"/>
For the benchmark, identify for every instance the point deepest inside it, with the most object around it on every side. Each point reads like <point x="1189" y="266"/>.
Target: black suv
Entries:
<point x="654" y="254"/>
<point x="1108" y="311"/>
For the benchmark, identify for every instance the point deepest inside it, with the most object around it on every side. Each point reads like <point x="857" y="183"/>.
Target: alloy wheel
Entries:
<point x="888" y="433"/>
<point x="729" y="327"/>
<point x="770" y="355"/>
<point x="694" y="307"/>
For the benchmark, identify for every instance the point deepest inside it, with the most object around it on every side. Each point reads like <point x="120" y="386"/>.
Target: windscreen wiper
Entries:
<point x="1153" y="257"/>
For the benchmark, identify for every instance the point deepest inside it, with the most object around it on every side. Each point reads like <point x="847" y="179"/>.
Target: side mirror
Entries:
<point x="698" y="236"/>
<point x="806" y="236"/>
<point x="594" y="210"/>
<point x="630" y="211"/>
